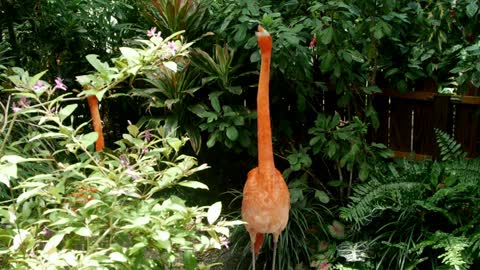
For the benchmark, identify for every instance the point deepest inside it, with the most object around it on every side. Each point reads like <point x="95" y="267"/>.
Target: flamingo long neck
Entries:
<point x="265" y="149"/>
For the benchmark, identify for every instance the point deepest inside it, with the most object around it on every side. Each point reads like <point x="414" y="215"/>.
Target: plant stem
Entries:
<point x="8" y="133"/>
<point x="349" y="190"/>
<point x="340" y="177"/>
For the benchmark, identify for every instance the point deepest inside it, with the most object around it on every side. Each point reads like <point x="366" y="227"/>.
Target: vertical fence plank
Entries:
<point x="467" y="127"/>
<point x="401" y="124"/>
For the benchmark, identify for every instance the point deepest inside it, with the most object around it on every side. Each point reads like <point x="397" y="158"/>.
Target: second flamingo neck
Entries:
<point x="265" y="149"/>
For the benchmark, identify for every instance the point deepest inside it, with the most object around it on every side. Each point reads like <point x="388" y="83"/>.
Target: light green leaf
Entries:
<point x="171" y="65"/>
<point x="89" y="139"/>
<point x="97" y="64"/>
<point x="133" y="130"/>
<point x="193" y="184"/>
<point x="117" y="257"/>
<point x="214" y="212"/>
<point x="175" y="143"/>
<point x="14" y="159"/>
<point x="30" y="193"/>
<point x="130" y="54"/>
<point x="141" y="221"/>
<point x="53" y="242"/>
<point x="162" y="235"/>
<point x="189" y="260"/>
<point x="83" y="231"/>
<point x="50" y="135"/>
<point x="67" y="111"/>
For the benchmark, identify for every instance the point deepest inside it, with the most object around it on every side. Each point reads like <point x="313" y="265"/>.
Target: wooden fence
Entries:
<point x="407" y="122"/>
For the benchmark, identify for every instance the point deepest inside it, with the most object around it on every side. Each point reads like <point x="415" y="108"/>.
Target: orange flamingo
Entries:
<point x="97" y="121"/>
<point x="266" y="199"/>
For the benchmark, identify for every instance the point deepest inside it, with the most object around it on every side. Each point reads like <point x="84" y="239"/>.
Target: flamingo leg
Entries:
<point x="274" y="253"/>
<point x="253" y="260"/>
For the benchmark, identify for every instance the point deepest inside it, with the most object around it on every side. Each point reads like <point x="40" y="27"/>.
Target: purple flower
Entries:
<point x="124" y="161"/>
<point x="147" y="135"/>
<point x="59" y="84"/>
<point x="22" y="103"/>
<point x="224" y="241"/>
<point x="46" y="232"/>
<point x="16" y="108"/>
<point x="153" y="32"/>
<point x="39" y="85"/>
<point x="171" y="46"/>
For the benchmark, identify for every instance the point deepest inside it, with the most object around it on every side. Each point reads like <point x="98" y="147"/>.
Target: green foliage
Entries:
<point x="57" y="35"/>
<point x="67" y="207"/>
<point x="449" y="148"/>
<point x="414" y="209"/>
<point x="172" y="16"/>
<point x="345" y="143"/>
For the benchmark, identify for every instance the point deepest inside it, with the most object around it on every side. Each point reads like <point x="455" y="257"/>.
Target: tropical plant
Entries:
<point x="69" y="207"/>
<point x="421" y="215"/>
<point x="171" y="16"/>
<point x="345" y="143"/>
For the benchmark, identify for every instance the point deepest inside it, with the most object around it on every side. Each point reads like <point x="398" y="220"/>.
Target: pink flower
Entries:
<point x="16" y="108"/>
<point x="224" y="241"/>
<point x="313" y="43"/>
<point x="171" y="46"/>
<point x="22" y="103"/>
<point x="324" y="266"/>
<point x="59" y="84"/>
<point x="39" y="85"/>
<point x="153" y="32"/>
<point x="323" y="246"/>
<point x="337" y="230"/>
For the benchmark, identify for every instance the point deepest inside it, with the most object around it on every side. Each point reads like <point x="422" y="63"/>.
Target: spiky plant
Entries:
<point x="450" y="149"/>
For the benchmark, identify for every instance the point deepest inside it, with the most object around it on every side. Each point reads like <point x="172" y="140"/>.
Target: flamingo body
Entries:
<point x="266" y="199"/>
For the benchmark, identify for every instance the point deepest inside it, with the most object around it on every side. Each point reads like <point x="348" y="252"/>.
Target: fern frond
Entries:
<point x="466" y="171"/>
<point x="450" y="149"/>
<point x="373" y="198"/>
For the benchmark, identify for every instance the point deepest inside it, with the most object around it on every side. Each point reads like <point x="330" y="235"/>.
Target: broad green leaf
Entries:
<point x="30" y="193"/>
<point x="472" y="9"/>
<point x="193" y="184"/>
<point x="117" y="257"/>
<point x="97" y="64"/>
<point x="89" y="139"/>
<point x="171" y="65"/>
<point x="53" y="242"/>
<point x="130" y="54"/>
<point x="67" y="111"/>
<point x="175" y="143"/>
<point x="83" y="231"/>
<point x="141" y="221"/>
<point x="212" y="140"/>
<point x="326" y="35"/>
<point x="215" y="101"/>
<point x="162" y="235"/>
<point x="322" y="196"/>
<point x="189" y="260"/>
<point x="14" y="159"/>
<point x="232" y="133"/>
<point x="214" y="212"/>
<point x="133" y="130"/>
